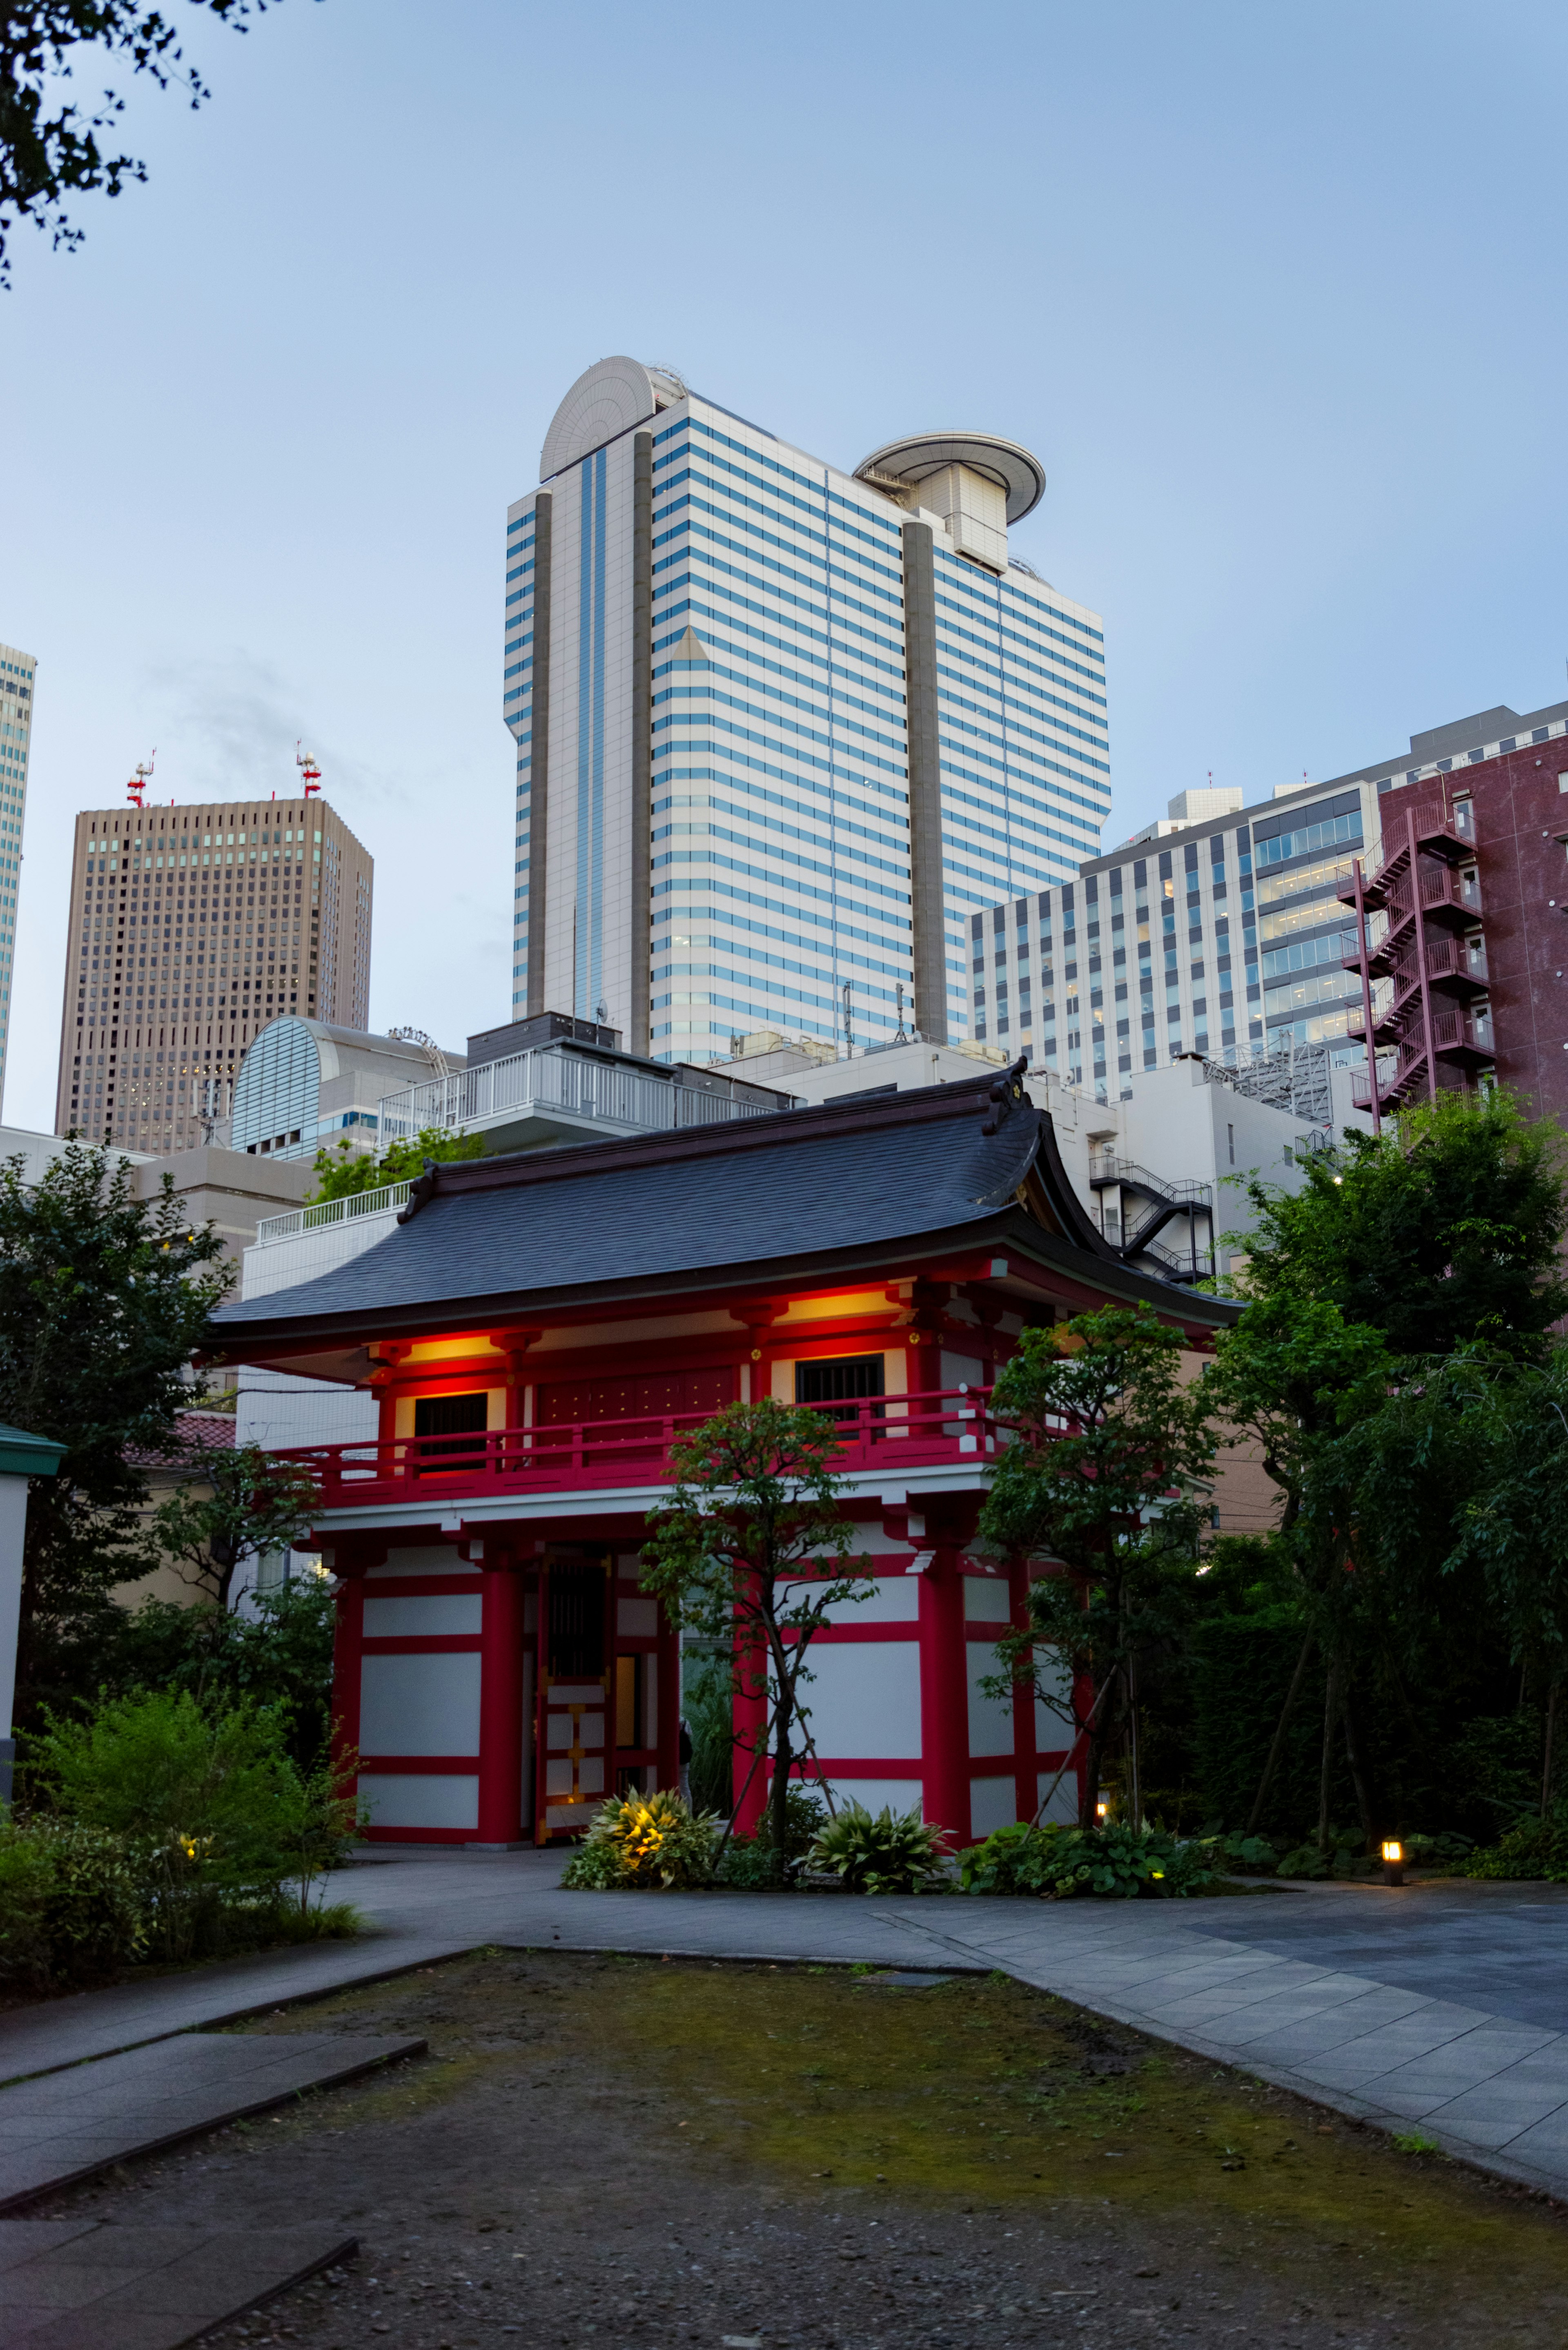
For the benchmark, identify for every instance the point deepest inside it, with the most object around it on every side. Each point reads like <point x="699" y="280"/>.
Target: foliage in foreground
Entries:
<point x="1115" y="1861"/>
<point x="882" y="1852"/>
<point x="747" y="1863"/>
<point x="277" y="1655"/>
<point x="640" y="1841"/>
<point x="182" y="1833"/>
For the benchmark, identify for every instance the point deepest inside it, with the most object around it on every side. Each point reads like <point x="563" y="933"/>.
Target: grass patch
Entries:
<point x="979" y="2094"/>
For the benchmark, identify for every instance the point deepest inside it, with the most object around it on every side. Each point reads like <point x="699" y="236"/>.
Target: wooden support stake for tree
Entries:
<point x="1278" y="1747"/>
<point x="1330" y="1712"/>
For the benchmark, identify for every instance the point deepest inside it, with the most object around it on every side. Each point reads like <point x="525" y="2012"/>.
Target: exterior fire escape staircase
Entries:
<point x="1430" y="1023"/>
<point x="1157" y="1200"/>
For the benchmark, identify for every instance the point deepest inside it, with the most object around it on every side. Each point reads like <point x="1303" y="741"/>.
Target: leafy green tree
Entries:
<point x="47" y="156"/>
<point x="1289" y="1376"/>
<point x="752" y="1548"/>
<point x="277" y="1654"/>
<point x="1447" y="1228"/>
<point x="253" y="1503"/>
<point x="1110" y="1451"/>
<point x="342" y="1173"/>
<point x="1515" y="1528"/>
<point x="102" y="1298"/>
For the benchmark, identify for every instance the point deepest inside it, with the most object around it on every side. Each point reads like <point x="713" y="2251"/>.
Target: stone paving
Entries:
<point x="1441" y="2008"/>
<point x="67" y="2125"/>
<point x="76" y="2285"/>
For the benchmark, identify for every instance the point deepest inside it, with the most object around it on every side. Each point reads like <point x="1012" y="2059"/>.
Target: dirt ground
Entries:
<point x="621" y="2154"/>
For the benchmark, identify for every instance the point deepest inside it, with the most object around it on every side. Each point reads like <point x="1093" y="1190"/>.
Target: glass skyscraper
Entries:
<point x="781" y="729"/>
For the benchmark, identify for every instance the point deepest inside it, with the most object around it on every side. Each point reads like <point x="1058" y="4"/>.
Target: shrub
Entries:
<point x="1535" y="1850"/>
<point x="890" y="1852"/>
<point x="1116" y="1861"/>
<point x="709" y="1704"/>
<point x="747" y="1864"/>
<point x="212" y="1817"/>
<point x="639" y="1840"/>
<point x="71" y="1909"/>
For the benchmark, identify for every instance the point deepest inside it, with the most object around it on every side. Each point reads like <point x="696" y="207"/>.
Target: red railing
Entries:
<point x="884" y="1432"/>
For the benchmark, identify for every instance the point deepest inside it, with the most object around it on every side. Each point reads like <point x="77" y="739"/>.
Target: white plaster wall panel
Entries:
<point x="438" y="1617"/>
<point x="864" y="1698"/>
<point x="559" y="1731"/>
<point x="986" y="1599"/>
<point x="990" y="1718"/>
<point x="399" y="1799"/>
<point x="275" y="1411"/>
<point x="419" y="1705"/>
<point x="1064" y="1804"/>
<point x="1052" y="1731"/>
<point x="961" y="1370"/>
<point x="885" y="1599"/>
<point x="423" y="1558"/>
<point x="992" y="1804"/>
<point x="878" y="1795"/>
<point x="638" y="1619"/>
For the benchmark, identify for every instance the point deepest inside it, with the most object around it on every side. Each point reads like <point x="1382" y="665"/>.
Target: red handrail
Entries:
<point x="948" y="1423"/>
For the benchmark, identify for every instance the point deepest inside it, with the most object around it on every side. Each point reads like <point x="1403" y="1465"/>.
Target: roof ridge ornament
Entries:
<point x="422" y="1190"/>
<point x="1006" y="1094"/>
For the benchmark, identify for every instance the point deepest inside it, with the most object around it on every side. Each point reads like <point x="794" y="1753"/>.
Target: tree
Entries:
<point x="254" y="1502"/>
<point x="1109" y="1450"/>
<point x="45" y="156"/>
<point x="102" y="1298"/>
<point x="1291" y="1375"/>
<point x="279" y="1654"/>
<point x="343" y="1172"/>
<point x="752" y="1548"/>
<point x="1445" y="1229"/>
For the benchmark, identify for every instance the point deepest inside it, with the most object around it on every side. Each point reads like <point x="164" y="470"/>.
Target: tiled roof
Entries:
<point x="789" y="1191"/>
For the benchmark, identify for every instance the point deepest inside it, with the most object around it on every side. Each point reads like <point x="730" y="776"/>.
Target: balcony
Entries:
<point x="558" y="1094"/>
<point x="1449" y="834"/>
<point x="885" y="1435"/>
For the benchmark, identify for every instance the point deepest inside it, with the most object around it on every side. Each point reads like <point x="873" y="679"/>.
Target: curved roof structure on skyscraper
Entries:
<point x="1006" y="462"/>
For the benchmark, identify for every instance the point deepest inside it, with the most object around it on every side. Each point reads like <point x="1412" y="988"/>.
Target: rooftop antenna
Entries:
<point x="901" y="1038"/>
<point x="848" y="1039"/>
<point x="312" y="771"/>
<point x="141" y="780"/>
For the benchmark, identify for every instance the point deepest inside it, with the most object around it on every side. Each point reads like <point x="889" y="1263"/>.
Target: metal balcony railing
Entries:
<point x="601" y="1091"/>
<point x="1103" y="1168"/>
<point x="331" y="1211"/>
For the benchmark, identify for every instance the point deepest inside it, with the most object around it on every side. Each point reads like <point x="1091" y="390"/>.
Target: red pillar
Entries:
<point x="348" y="1656"/>
<point x="501" y="1706"/>
<point x="944" y="1697"/>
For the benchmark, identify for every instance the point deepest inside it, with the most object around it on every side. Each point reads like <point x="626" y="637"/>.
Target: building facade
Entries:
<point x="18" y="677"/>
<point x="535" y="1331"/>
<point x="305" y="1086"/>
<point x="1223" y="937"/>
<point x="191" y="929"/>
<point x="780" y="728"/>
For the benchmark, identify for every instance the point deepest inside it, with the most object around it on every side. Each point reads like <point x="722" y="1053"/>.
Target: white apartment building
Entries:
<point x="17" y="674"/>
<point x="781" y="730"/>
<point x="1222" y="936"/>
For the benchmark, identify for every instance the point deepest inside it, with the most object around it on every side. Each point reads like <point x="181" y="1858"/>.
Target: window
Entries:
<point x="458" y="1417"/>
<point x="839" y="1380"/>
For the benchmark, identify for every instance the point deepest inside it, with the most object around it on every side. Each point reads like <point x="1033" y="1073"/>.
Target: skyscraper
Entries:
<point x="16" y="675"/>
<point x="191" y="928"/>
<point x="780" y="728"/>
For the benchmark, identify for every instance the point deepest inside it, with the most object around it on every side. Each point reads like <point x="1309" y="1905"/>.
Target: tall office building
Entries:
<point x="1222" y="936"/>
<point x="191" y="928"/>
<point x="17" y="671"/>
<point x="781" y="729"/>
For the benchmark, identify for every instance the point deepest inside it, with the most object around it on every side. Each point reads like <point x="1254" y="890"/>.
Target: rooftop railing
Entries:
<point x="888" y="1433"/>
<point x="540" y="1080"/>
<point x="331" y="1211"/>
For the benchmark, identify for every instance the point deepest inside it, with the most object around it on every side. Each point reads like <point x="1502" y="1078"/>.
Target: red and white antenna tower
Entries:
<point x="141" y="780"/>
<point x="312" y="771"/>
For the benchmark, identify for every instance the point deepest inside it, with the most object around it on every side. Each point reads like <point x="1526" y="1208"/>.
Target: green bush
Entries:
<point x="708" y="1705"/>
<point x="887" y="1852"/>
<point x="1534" y="1849"/>
<point x="638" y="1841"/>
<point x="1114" y="1861"/>
<point x="222" y="1834"/>
<point x="71" y="1909"/>
<point x="747" y="1864"/>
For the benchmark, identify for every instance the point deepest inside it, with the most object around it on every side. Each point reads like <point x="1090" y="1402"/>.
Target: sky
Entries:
<point x="1275" y="292"/>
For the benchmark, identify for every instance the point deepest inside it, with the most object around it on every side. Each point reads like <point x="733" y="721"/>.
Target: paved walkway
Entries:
<point x="1441" y="2007"/>
<point x="76" y="2284"/>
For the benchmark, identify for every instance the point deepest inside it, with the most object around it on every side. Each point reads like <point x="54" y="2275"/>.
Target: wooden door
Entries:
<point x="575" y="1724"/>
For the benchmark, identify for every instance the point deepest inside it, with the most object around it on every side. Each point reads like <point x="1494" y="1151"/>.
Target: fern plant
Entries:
<point x="638" y="1841"/>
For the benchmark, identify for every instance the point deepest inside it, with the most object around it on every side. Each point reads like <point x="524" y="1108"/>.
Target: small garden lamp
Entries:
<point x="1101" y="1812"/>
<point x="1392" y="1861"/>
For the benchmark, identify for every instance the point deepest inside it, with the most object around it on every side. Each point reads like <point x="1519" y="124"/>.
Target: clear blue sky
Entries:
<point x="1275" y="291"/>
